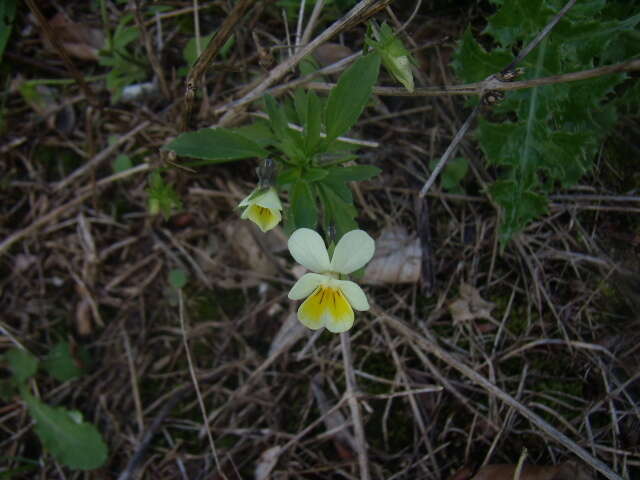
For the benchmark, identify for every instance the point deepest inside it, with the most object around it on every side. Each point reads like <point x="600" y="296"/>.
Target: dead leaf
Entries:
<point x="246" y="248"/>
<point x="329" y="53"/>
<point x="267" y="462"/>
<point x="397" y="258"/>
<point x="470" y="306"/>
<point x="78" y="40"/>
<point x="334" y="422"/>
<point x="290" y="332"/>
<point x="570" y="470"/>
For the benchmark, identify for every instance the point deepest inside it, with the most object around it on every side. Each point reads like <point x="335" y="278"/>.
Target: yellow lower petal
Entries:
<point x="326" y="307"/>
<point x="265" y="218"/>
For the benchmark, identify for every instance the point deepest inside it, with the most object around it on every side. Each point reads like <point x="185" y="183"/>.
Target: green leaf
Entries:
<point x="71" y="441"/>
<point x="303" y="205"/>
<point x="22" y="364"/>
<point x="313" y="123"/>
<point x="162" y="197"/>
<point x="349" y="97"/>
<point x="516" y="18"/>
<point x="215" y="146"/>
<point x="354" y="173"/>
<point x="177" y="278"/>
<point x="473" y="63"/>
<point x="64" y="365"/>
<point x="288" y="176"/>
<point x="337" y="212"/>
<point x="277" y="117"/>
<point x="122" y="163"/>
<point x="315" y="174"/>
<point x="7" y="16"/>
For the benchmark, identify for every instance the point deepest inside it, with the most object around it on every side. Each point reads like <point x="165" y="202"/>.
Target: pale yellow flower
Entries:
<point x="330" y="301"/>
<point x="263" y="208"/>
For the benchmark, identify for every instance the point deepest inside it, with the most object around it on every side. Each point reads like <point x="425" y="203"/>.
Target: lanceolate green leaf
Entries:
<point x="215" y="146"/>
<point x="71" y="441"/>
<point x="303" y="205"/>
<point x="349" y="97"/>
<point x="7" y="15"/>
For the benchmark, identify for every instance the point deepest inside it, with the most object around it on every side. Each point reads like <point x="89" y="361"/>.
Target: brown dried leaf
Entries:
<point x="329" y="53"/>
<point x="470" y="306"/>
<point x="78" y="40"/>
<point x="397" y="258"/>
<point x="267" y="462"/>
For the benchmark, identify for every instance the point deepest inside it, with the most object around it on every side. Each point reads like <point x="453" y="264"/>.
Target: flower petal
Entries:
<point x="265" y="218"/>
<point x="326" y="307"/>
<point x="269" y="199"/>
<point x="354" y="294"/>
<point x="311" y="312"/>
<point x="353" y="251"/>
<point x="308" y="249"/>
<point x="339" y="316"/>
<point x="306" y="285"/>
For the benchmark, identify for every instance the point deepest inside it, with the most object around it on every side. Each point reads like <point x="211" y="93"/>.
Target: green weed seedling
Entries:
<point x="63" y="433"/>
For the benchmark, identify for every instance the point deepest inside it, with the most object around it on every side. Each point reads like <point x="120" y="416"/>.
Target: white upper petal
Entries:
<point x="354" y="294"/>
<point x="308" y="249"/>
<point x="353" y="251"/>
<point x="269" y="199"/>
<point x="306" y="285"/>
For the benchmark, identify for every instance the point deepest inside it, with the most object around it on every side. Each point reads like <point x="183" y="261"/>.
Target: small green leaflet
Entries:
<point x="71" y="441"/>
<point x="62" y="365"/>
<point x="215" y="146"/>
<point x="178" y="278"/>
<point x="22" y="364"/>
<point x="349" y="97"/>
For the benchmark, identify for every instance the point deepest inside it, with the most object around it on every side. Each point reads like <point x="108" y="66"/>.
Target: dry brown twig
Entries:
<point x="363" y="10"/>
<point x="491" y="388"/>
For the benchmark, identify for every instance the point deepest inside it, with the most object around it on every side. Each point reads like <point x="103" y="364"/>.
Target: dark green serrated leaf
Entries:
<point x="62" y="365"/>
<point x="516" y="18"/>
<point x="23" y="365"/>
<point x="303" y="205"/>
<point x="215" y="146"/>
<point x="349" y="97"/>
<point x="72" y="442"/>
<point x="473" y="63"/>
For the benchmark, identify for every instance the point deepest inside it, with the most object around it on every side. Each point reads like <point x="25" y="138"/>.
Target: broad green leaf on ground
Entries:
<point x="303" y="204"/>
<point x="22" y="364"/>
<point x="349" y="97"/>
<point x="215" y="146"/>
<point x="259" y="133"/>
<point x="64" y="365"/>
<point x="71" y="441"/>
